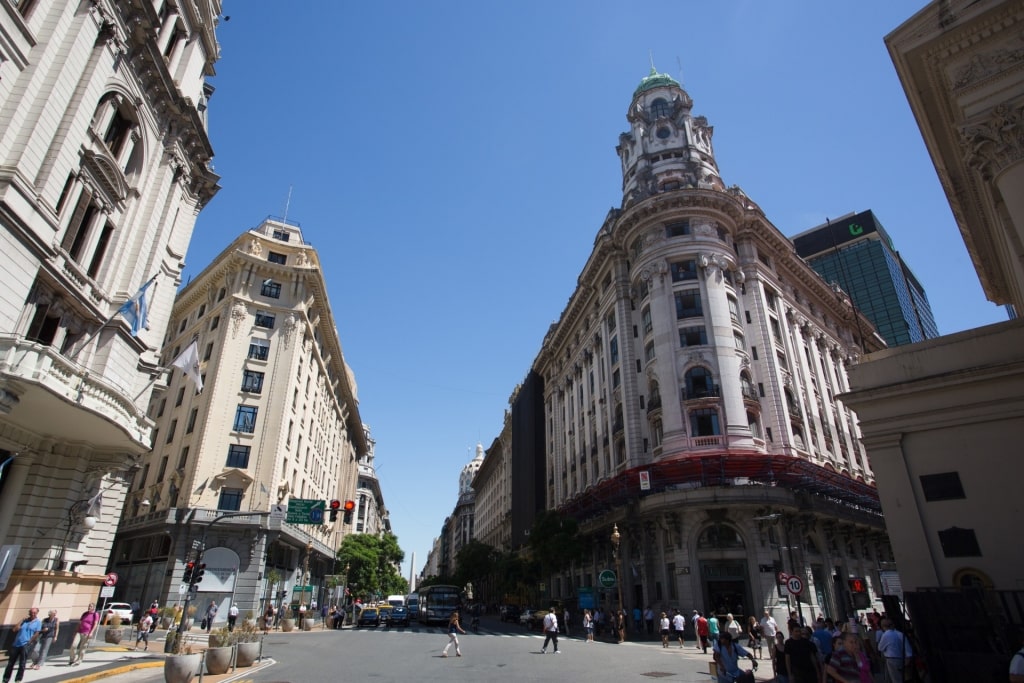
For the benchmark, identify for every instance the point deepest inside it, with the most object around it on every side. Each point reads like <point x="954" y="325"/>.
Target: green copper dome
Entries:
<point x="654" y="80"/>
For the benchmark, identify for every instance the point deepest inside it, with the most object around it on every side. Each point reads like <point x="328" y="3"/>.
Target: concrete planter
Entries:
<point x="287" y="625"/>
<point x="247" y="655"/>
<point x="307" y="624"/>
<point x="113" y="635"/>
<point x="181" y="668"/>
<point x="218" y="660"/>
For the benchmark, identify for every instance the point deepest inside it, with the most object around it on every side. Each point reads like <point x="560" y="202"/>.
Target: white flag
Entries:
<point x="188" y="361"/>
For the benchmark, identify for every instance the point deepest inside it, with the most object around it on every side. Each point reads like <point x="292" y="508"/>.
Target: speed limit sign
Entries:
<point x="795" y="585"/>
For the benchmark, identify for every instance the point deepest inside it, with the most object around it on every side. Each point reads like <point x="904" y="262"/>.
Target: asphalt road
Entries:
<point x="499" y="652"/>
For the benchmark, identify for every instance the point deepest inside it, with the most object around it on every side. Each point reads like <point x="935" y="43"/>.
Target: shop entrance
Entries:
<point x="725" y="588"/>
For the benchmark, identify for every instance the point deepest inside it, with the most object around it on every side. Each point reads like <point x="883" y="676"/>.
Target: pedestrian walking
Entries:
<point x="679" y="624"/>
<point x="144" y="625"/>
<point x="663" y="628"/>
<point x="24" y="641"/>
<point x="754" y="636"/>
<point x="649" y="620"/>
<point x="566" y="617"/>
<point x="268" y="619"/>
<point x="87" y="624"/>
<point x="622" y="626"/>
<point x="211" y="614"/>
<point x="588" y="625"/>
<point x="47" y="634"/>
<point x="454" y="629"/>
<point x="703" y="632"/>
<point x="232" y="617"/>
<point x="768" y="630"/>
<point x="896" y="652"/>
<point x="550" y="631"/>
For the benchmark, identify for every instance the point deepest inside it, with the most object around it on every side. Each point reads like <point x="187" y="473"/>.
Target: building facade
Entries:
<point x="104" y="166"/>
<point x="855" y="252"/>
<point x="371" y="516"/>
<point x="492" y="523"/>
<point x="277" y="419"/>
<point x="689" y="395"/>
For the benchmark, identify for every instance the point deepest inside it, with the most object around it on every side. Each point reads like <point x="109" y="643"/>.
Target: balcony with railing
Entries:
<point x="654" y="404"/>
<point x="80" y="405"/>
<point x="702" y="393"/>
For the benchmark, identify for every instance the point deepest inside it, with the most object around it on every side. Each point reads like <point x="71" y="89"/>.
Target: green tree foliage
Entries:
<point x="373" y="565"/>
<point x="476" y="563"/>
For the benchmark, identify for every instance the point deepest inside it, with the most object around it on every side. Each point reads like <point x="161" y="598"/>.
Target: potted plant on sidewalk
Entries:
<point x="113" y="633"/>
<point x="247" y="643"/>
<point x="182" y="665"/>
<point x="220" y="651"/>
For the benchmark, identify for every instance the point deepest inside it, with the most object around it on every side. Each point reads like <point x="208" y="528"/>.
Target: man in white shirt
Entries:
<point x="550" y="631"/>
<point x="768" y="629"/>
<point x="679" y="624"/>
<point x="232" y="616"/>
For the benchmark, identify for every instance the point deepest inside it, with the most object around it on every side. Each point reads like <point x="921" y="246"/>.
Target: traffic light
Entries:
<point x="859" y="592"/>
<point x="190" y="568"/>
<point x="350" y="505"/>
<point x="335" y="506"/>
<point x="200" y="570"/>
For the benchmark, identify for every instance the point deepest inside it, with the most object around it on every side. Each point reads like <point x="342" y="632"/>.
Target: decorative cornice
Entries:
<point x="997" y="142"/>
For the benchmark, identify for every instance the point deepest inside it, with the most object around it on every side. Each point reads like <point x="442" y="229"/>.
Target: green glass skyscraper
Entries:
<point x="857" y="253"/>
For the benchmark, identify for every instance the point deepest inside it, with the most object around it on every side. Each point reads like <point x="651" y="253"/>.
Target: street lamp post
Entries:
<point x="616" y="538"/>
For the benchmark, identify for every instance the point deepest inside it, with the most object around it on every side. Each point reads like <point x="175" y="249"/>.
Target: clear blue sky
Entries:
<point x="453" y="161"/>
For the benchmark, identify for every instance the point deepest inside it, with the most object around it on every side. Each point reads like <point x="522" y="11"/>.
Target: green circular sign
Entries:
<point x="607" y="579"/>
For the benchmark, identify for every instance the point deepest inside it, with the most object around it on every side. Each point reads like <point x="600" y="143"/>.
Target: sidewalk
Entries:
<point x="105" y="661"/>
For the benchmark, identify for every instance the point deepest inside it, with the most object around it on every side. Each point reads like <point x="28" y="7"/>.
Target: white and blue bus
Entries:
<point x="436" y="603"/>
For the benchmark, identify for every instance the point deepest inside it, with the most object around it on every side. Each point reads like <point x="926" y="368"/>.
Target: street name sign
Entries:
<point x="607" y="578"/>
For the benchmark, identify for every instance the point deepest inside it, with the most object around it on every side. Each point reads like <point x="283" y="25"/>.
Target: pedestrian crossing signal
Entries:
<point x="190" y="568"/>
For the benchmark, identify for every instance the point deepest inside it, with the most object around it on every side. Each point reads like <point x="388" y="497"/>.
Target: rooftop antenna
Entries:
<point x="288" y="203"/>
<point x="650" y="54"/>
<point x="680" y="63"/>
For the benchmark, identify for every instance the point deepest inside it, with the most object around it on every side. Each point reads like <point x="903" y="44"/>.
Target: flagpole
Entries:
<point x="106" y="322"/>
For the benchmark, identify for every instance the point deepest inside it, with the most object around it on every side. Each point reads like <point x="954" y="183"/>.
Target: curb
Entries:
<point x="107" y="673"/>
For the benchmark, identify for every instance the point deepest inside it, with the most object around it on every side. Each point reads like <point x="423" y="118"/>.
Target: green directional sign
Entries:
<point x="304" y="511"/>
<point x="607" y="579"/>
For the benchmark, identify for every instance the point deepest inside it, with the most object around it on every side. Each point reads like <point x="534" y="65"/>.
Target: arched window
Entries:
<point x="747" y="386"/>
<point x="699" y="383"/>
<point x="720" y="536"/>
<point x="660" y="108"/>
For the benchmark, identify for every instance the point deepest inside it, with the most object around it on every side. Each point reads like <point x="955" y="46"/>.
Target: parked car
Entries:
<point x="532" y="619"/>
<point x="369" y="616"/>
<point x="385" y="613"/>
<point x="399" y="616"/>
<point x="121" y="609"/>
<point x="510" y="613"/>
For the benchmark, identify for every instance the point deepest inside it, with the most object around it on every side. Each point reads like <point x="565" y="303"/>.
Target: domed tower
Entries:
<point x="666" y="148"/>
<point x="469" y="471"/>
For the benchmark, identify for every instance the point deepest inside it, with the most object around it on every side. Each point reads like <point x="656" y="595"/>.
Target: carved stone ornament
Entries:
<point x="301" y="259"/>
<point x="981" y="67"/>
<point x="996" y="143"/>
<point x="238" y="316"/>
<point x="288" y="329"/>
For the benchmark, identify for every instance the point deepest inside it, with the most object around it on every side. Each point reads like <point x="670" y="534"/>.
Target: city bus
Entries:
<point x="436" y="603"/>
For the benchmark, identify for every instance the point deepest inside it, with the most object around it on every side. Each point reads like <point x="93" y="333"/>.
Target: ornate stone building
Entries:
<point x="689" y="393"/>
<point x="371" y="516"/>
<point x="104" y="166"/>
<point x="278" y="418"/>
<point x="492" y="485"/>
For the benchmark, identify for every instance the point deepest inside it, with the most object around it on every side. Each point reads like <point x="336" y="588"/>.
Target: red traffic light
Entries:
<point x="350" y="505"/>
<point x="858" y="586"/>
<point x="335" y="504"/>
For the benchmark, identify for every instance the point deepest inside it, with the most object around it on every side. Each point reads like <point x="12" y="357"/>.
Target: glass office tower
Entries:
<point x="857" y="253"/>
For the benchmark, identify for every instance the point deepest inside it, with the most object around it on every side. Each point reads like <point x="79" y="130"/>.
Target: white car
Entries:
<point x="121" y="609"/>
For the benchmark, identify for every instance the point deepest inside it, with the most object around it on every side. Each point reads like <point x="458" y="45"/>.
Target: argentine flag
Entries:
<point x="136" y="310"/>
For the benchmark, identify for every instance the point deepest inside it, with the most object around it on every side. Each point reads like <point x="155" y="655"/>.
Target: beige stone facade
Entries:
<point x="104" y="166"/>
<point x="942" y="419"/>
<point x="278" y="419"/>
<point x="690" y="395"/>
